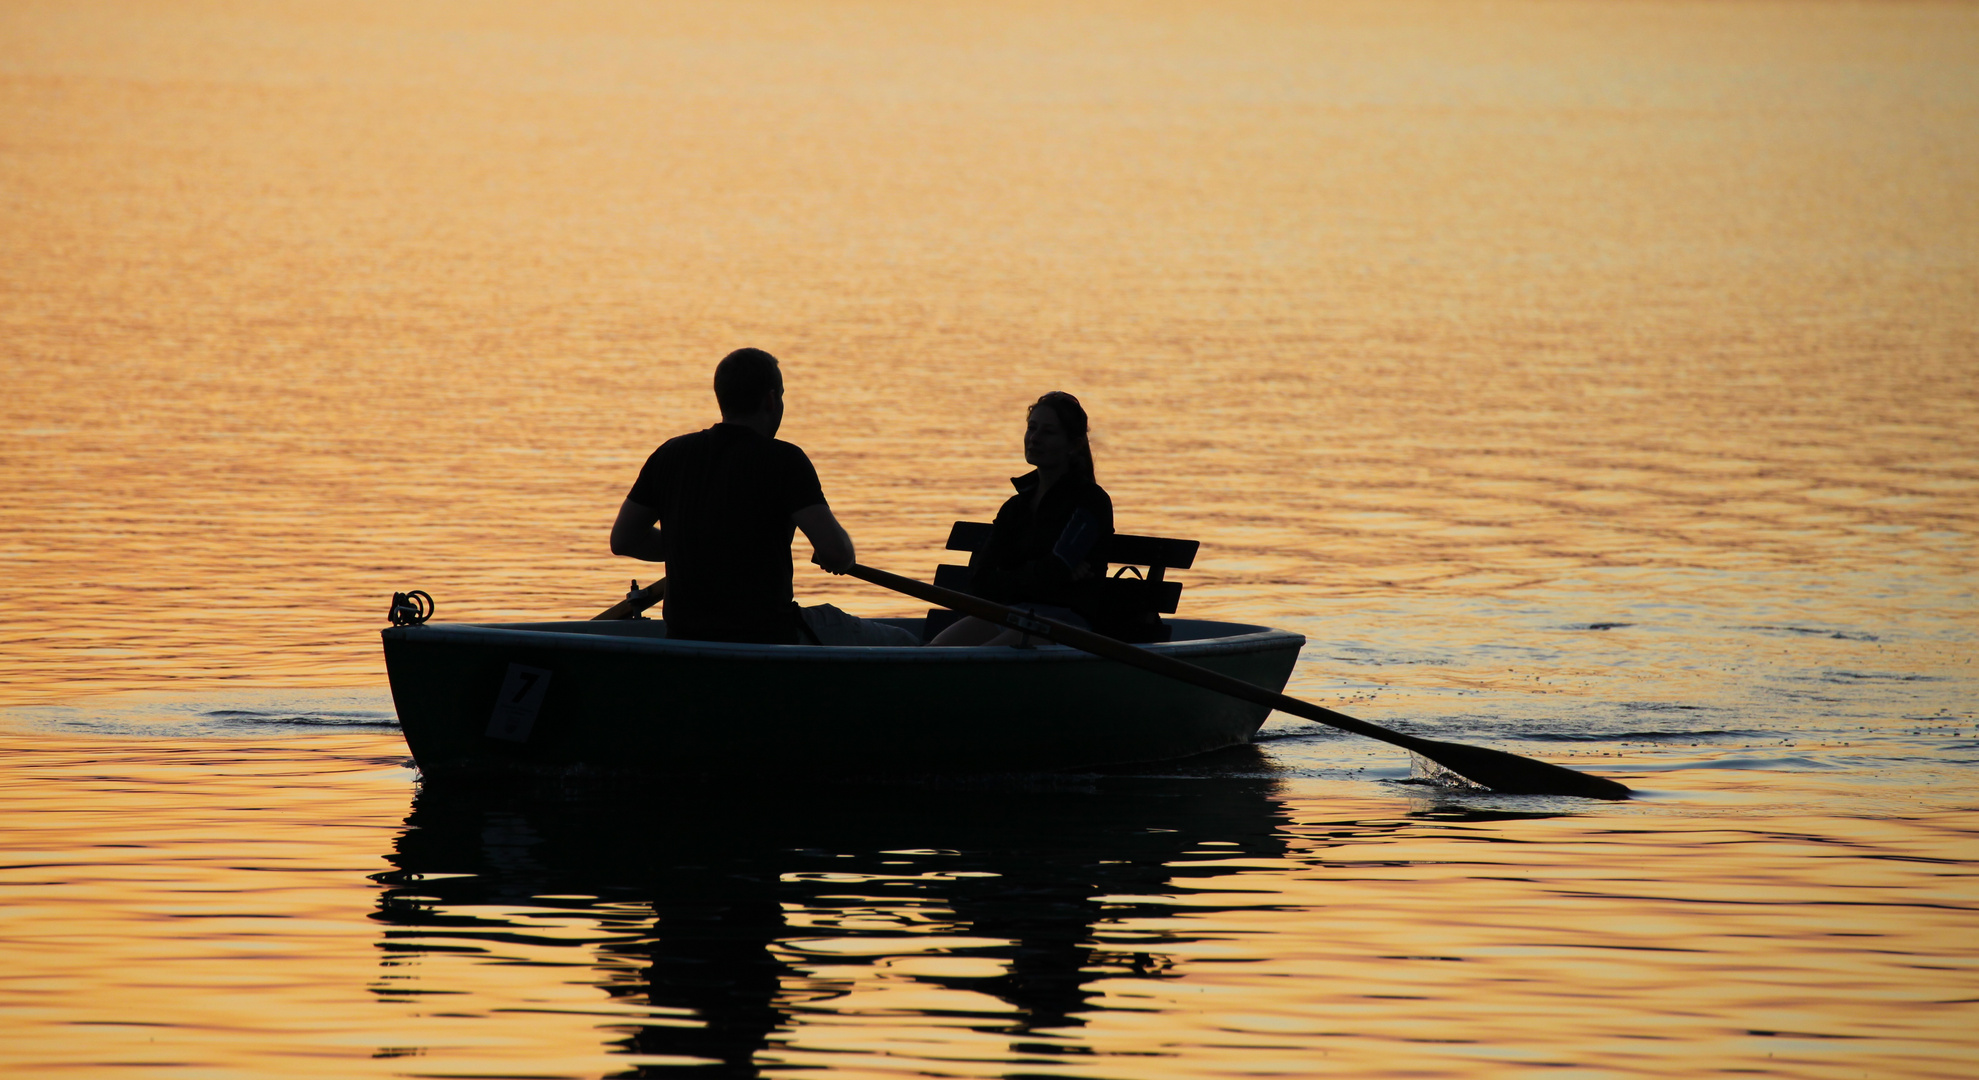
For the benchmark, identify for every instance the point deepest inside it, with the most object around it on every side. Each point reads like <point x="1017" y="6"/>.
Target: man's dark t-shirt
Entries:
<point x="725" y="496"/>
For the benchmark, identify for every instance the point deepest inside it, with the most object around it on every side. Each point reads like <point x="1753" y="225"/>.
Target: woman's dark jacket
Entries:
<point x="1037" y="548"/>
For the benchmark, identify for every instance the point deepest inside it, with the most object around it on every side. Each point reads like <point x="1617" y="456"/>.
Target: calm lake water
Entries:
<point x="1597" y="381"/>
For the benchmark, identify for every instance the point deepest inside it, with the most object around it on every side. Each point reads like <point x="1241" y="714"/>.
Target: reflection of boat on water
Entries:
<point x="619" y="695"/>
<point x="762" y="902"/>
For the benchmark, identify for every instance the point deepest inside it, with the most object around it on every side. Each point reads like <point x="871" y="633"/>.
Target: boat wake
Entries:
<point x="236" y="713"/>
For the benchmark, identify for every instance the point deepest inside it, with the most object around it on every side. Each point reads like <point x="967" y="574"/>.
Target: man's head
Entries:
<point x="748" y="386"/>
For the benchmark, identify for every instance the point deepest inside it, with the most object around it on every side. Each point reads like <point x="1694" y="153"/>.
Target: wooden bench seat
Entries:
<point x="1136" y="604"/>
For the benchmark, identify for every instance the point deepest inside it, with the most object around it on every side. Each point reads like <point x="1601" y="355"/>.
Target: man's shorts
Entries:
<point x="834" y="627"/>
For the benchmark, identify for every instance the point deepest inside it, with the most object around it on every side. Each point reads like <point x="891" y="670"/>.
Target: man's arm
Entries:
<point x="831" y="546"/>
<point x="633" y="533"/>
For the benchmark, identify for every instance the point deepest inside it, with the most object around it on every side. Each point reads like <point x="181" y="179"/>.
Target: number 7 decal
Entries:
<point x="521" y="698"/>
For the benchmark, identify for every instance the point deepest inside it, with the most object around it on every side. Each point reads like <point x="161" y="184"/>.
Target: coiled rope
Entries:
<point x="411" y="608"/>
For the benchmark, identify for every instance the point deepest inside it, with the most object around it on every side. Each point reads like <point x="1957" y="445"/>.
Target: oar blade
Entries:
<point x="1511" y="774"/>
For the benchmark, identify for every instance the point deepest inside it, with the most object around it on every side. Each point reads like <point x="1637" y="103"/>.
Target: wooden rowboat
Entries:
<point x="619" y="696"/>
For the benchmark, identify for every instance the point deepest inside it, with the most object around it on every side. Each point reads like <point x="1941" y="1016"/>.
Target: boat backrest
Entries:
<point x="1134" y="605"/>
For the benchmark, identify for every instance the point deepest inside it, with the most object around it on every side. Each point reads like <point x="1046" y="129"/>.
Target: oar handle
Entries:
<point x="636" y="601"/>
<point x="1101" y="645"/>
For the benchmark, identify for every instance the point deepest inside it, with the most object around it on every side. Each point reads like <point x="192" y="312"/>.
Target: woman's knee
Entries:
<point x="967" y="630"/>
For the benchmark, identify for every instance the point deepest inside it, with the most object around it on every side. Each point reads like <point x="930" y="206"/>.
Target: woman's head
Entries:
<point x="1055" y="435"/>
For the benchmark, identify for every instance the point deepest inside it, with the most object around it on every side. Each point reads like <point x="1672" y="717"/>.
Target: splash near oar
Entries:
<point x="1495" y="769"/>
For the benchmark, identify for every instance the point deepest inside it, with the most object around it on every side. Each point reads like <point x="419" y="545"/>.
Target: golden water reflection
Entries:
<point x="1593" y="380"/>
<point x="1117" y="929"/>
<point x="213" y="901"/>
<point x="1206" y="924"/>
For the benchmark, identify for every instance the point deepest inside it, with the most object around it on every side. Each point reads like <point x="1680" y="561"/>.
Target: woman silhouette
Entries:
<point x="1042" y="547"/>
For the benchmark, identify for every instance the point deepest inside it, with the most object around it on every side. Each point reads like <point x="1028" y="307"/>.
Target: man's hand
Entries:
<point x="831" y="546"/>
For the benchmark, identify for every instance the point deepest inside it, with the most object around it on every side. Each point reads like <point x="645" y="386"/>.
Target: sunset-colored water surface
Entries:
<point x="1595" y="380"/>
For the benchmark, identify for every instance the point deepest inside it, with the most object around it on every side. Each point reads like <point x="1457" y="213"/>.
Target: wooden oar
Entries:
<point x="1494" y="769"/>
<point x="636" y="601"/>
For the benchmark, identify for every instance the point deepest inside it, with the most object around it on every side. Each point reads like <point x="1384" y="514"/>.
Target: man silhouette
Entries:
<point x="721" y="506"/>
